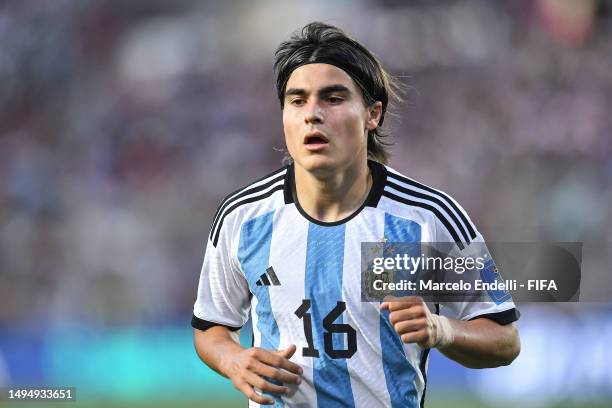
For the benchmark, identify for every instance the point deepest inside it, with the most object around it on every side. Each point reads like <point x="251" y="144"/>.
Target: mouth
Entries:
<point x="315" y="139"/>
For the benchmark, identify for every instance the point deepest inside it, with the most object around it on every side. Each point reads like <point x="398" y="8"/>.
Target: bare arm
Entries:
<point x="483" y="343"/>
<point x="219" y="348"/>
<point x="215" y="343"/>
<point x="479" y="343"/>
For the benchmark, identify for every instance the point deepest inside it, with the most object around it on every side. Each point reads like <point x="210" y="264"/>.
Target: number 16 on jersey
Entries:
<point x="330" y="328"/>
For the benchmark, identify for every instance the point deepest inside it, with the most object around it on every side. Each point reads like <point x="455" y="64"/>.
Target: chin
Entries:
<point x="318" y="163"/>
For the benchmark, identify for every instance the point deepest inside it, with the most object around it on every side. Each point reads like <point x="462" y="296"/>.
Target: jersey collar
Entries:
<point x="379" y="177"/>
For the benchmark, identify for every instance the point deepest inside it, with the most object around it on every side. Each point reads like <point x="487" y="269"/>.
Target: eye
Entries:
<point x="334" y="100"/>
<point x="297" y="102"/>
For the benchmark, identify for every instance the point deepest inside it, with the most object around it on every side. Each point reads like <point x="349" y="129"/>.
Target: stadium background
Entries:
<point x="123" y="124"/>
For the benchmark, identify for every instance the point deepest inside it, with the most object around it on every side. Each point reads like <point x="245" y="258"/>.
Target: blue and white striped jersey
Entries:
<point x="300" y="281"/>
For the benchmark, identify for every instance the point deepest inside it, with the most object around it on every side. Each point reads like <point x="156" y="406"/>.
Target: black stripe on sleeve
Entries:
<point x="204" y="325"/>
<point x="413" y="183"/>
<point x="247" y="201"/>
<point x="435" y="200"/>
<point x="431" y="208"/>
<point x="230" y="195"/>
<point x="503" y="318"/>
<point x="233" y="199"/>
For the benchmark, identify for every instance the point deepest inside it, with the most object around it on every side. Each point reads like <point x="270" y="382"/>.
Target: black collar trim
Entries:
<point x="379" y="178"/>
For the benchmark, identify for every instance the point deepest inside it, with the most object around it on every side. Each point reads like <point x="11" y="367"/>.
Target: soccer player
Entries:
<point x="286" y="250"/>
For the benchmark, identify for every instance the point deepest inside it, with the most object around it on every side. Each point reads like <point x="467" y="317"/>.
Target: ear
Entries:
<point x="374" y="114"/>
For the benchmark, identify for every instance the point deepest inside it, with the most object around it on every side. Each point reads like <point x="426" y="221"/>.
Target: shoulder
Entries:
<point x="260" y="195"/>
<point x="410" y="195"/>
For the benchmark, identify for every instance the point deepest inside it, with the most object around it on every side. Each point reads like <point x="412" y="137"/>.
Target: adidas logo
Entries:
<point x="271" y="281"/>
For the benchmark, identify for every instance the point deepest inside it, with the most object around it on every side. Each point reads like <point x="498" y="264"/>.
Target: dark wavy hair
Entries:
<point x="318" y="42"/>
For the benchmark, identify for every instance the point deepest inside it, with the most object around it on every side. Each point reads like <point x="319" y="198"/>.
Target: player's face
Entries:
<point x="325" y="119"/>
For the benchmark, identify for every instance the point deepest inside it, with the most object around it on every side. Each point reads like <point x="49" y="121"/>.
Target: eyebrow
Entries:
<point x="336" y="88"/>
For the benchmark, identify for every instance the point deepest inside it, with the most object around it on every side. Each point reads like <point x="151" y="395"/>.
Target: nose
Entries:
<point x="314" y="115"/>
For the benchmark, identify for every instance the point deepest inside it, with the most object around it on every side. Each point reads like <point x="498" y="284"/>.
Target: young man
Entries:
<point x="286" y="249"/>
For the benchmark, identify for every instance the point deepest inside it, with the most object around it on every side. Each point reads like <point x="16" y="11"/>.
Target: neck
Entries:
<point x="334" y="196"/>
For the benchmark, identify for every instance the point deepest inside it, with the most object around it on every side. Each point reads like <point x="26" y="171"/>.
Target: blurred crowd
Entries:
<point x="123" y="124"/>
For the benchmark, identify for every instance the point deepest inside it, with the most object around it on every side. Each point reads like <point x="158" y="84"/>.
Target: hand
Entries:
<point x="413" y="321"/>
<point x="247" y="368"/>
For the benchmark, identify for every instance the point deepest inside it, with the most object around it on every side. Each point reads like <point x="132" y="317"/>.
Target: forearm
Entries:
<point x="482" y="343"/>
<point x="249" y="369"/>
<point x="214" y="345"/>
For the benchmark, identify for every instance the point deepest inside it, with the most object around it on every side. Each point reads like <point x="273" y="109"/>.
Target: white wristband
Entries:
<point x="444" y="332"/>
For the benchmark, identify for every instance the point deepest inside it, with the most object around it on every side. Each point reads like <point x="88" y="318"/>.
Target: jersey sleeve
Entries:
<point x="497" y="306"/>
<point x="223" y="294"/>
